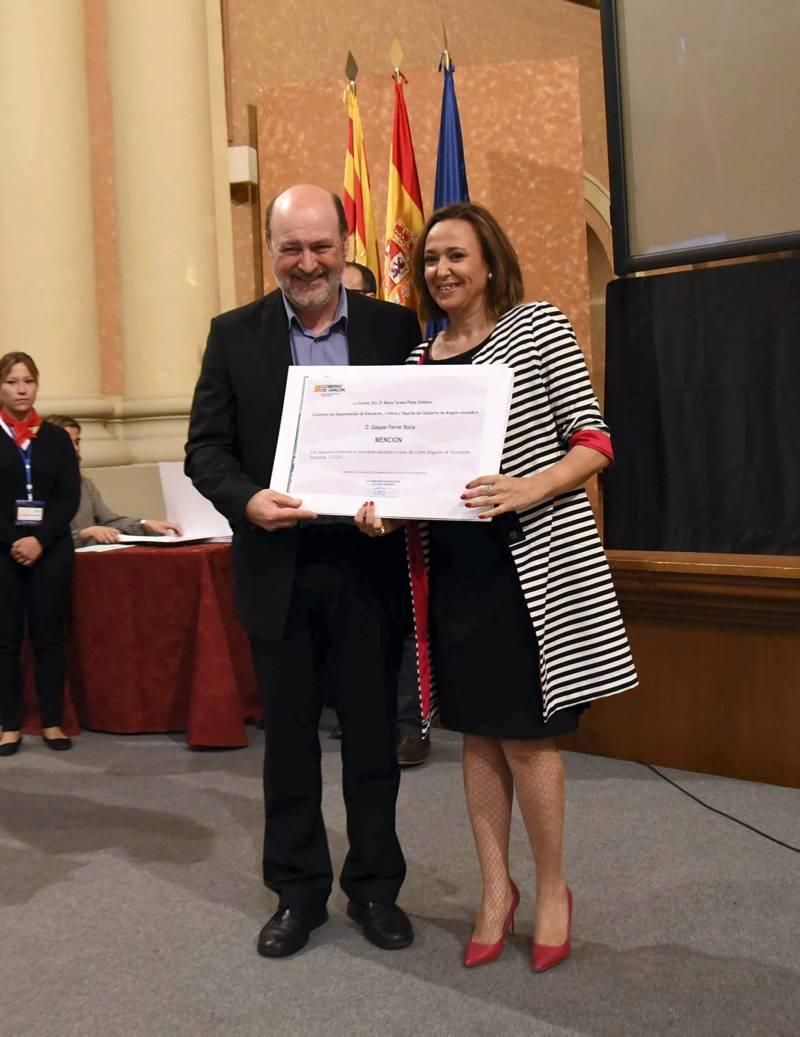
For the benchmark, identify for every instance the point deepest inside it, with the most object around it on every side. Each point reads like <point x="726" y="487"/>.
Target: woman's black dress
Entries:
<point x="485" y="654"/>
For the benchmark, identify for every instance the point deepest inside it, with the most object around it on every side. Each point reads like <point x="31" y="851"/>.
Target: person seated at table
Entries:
<point x="95" y="522"/>
<point x="39" y="493"/>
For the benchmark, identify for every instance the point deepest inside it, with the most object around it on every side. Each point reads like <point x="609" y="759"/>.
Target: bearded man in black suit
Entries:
<point x="312" y="592"/>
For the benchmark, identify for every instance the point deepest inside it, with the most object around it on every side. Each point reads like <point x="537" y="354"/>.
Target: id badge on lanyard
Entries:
<point x="29" y="512"/>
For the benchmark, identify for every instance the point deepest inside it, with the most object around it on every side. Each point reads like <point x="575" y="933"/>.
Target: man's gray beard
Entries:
<point x="300" y="304"/>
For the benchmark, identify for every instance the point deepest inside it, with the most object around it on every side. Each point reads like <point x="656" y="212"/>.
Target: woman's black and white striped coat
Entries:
<point x="583" y="648"/>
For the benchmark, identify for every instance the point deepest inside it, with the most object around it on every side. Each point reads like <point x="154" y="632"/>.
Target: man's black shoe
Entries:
<point x="385" y="925"/>
<point x="412" y="750"/>
<point x="288" y="930"/>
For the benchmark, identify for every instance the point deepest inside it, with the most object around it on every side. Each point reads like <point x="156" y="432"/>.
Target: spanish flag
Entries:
<point x="362" y="243"/>
<point x="404" y="219"/>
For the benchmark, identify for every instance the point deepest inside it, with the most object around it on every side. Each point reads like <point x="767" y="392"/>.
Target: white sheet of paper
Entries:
<point x="409" y="438"/>
<point x="167" y="540"/>
<point x="196" y="515"/>
<point x="103" y="547"/>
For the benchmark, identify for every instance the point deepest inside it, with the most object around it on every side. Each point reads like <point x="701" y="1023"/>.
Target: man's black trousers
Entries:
<point x="339" y="622"/>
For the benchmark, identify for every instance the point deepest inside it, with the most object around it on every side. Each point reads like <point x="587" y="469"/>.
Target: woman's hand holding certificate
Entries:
<point x="369" y="522"/>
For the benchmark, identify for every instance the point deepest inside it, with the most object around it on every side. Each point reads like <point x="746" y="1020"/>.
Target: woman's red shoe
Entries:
<point x="482" y="953"/>
<point x="545" y="956"/>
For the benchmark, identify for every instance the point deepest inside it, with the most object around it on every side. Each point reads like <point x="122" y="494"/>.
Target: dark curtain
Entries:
<point x="703" y="401"/>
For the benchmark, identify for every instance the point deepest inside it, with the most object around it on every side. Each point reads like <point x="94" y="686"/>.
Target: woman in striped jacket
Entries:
<point x="525" y="630"/>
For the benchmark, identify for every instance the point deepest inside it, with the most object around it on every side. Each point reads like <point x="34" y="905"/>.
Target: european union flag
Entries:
<point x="451" y="168"/>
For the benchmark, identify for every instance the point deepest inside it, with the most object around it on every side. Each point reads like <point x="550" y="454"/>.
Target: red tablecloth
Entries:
<point x="154" y="645"/>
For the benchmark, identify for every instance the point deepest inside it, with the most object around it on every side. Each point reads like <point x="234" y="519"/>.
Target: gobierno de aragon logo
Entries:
<point x="329" y="387"/>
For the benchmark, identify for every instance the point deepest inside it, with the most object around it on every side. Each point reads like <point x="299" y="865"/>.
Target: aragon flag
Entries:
<point x="362" y="243"/>
<point x="404" y="219"/>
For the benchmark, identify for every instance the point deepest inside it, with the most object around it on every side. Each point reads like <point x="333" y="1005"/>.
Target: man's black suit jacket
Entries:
<point x="233" y="434"/>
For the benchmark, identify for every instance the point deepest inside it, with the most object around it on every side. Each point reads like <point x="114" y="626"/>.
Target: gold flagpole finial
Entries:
<point x="396" y="56"/>
<point x="446" y="61"/>
<point x="351" y="68"/>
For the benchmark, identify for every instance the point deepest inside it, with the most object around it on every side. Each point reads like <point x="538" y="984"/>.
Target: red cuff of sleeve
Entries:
<point x="595" y="440"/>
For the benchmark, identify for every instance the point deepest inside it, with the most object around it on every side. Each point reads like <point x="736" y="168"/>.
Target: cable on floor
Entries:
<point x="714" y="810"/>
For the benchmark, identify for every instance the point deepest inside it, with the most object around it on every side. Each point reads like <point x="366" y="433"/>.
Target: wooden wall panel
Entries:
<point x="716" y="640"/>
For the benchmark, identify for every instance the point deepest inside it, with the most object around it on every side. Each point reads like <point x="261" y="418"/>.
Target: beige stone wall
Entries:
<point x="116" y="245"/>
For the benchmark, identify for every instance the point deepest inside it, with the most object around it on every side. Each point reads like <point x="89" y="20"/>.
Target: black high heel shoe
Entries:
<point x="58" y="745"/>
<point x="10" y="748"/>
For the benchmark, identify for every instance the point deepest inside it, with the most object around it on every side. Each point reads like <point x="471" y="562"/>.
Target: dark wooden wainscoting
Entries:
<point x="716" y="640"/>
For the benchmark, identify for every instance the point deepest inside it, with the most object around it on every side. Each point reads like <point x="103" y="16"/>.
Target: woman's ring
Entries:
<point x="381" y="531"/>
<point x="489" y="490"/>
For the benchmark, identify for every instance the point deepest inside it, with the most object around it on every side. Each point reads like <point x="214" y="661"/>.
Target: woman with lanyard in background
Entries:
<point x="39" y="494"/>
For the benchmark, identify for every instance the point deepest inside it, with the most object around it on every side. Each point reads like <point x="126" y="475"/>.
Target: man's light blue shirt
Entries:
<point x="330" y="347"/>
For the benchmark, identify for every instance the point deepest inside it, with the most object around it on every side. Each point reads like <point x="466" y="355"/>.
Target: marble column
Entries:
<point x="48" y="304"/>
<point x="165" y="167"/>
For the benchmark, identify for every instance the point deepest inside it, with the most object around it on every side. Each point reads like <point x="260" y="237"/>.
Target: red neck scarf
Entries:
<point x="23" y="430"/>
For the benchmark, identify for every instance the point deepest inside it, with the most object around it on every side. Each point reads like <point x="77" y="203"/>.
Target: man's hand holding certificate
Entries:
<point x="407" y="438"/>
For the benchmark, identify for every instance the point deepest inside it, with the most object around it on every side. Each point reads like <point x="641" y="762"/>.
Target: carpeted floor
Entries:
<point x="130" y="902"/>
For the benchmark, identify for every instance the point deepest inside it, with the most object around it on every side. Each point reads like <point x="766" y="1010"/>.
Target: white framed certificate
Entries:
<point x="409" y="437"/>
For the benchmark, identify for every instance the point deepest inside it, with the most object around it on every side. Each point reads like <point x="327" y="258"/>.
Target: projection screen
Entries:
<point x="703" y="110"/>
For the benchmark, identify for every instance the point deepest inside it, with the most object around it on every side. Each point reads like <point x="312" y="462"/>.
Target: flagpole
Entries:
<point x="451" y="170"/>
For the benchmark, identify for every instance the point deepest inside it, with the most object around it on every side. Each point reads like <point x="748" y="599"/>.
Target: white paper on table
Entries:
<point x="409" y="438"/>
<point x="103" y="547"/>
<point x="196" y="515"/>
<point x="167" y="540"/>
